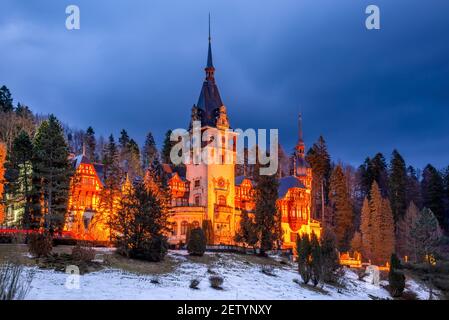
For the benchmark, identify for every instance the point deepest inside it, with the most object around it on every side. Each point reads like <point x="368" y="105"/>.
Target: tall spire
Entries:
<point x="209" y="53"/>
<point x="300" y="147"/>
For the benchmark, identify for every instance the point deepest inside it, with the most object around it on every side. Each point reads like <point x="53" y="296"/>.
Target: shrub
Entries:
<point x="14" y="282"/>
<point x="216" y="282"/>
<point x="268" y="270"/>
<point x="197" y="242"/>
<point x="40" y="244"/>
<point x="194" y="283"/>
<point x="396" y="278"/>
<point x="153" y="250"/>
<point x="83" y="253"/>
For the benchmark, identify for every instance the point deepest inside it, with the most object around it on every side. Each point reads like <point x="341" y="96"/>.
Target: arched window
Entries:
<point x="197" y="200"/>
<point x="184" y="227"/>
<point x="222" y="200"/>
<point x="195" y="224"/>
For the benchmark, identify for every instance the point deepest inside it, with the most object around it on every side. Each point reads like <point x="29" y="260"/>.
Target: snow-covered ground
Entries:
<point x="242" y="280"/>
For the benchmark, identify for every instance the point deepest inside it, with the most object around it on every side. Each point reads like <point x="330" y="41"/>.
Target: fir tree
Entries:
<point x="329" y="256"/>
<point x="316" y="260"/>
<point x="5" y="100"/>
<point x="51" y="174"/>
<point x="2" y="180"/>
<point x="196" y="245"/>
<point x="19" y="169"/>
<point x="433" y="193"/>
<point x="397" y="186"/>
<point x="304" y="250"/>
<point x="166" y="148"/>
<point x="396" y="278"/>
<point x="247" y="232"/>
<point x="134" y="168"/>
<point x="377" y="227"/>
<point x="141" y="223"/>
<point x="340" y="202"/>
<point x="374" y="169"/>
<point x="356" y="242"/>
<point x="90" y="144"/>
<point x="266" y="211"/>
<point x="413" y="188"/>
<point x="405" y="245"/>
<point x="149" y="152"/>
<point x="319" y="159"/>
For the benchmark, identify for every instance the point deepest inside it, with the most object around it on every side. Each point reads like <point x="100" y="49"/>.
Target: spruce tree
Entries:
<point x="329" y="255"/>
<point x="90" y="144"/>
<point x="397" y="186"/>
<point x="365" y="229"/>
<point x="19" y="168"/>
<point x="405" y="245"/>
<point x="166" y="148"/>
<point x="374" y="169"/>
<point x="316" y="260"/>
<point x="340" y="202"/>
<point x="303" y="248"/>
<point x="319" y="159"/>
<point x="51" y="174"/>
<point x="247" y="232"/>
<point x="6" y="100"/>
<point x="149" y="152"/>
<point x="266" y="211"/>
<point x="432" y="188"/>
<point x="413" y="188"/>
<point x="356" y="242"/>
<point x="396" y="278"/>
<point x="196" y="246"/>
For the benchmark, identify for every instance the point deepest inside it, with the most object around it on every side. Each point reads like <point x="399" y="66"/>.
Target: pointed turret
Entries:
<point x="300" y="163"/>
<point x="209" y="101"/>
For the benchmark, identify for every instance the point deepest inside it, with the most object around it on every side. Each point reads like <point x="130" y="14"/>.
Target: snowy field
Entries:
<point x="242" y="280"/>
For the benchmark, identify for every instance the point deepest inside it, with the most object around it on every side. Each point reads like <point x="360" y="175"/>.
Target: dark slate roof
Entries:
<point x="99" y="170"/>
<point x="238" y="180"/>
<point x="79" y="160"/>
<point x="287" y="183"/>
<point x="209" y="103"/>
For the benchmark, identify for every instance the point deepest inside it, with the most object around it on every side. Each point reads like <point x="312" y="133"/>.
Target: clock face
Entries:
<point x="221" y="182"/>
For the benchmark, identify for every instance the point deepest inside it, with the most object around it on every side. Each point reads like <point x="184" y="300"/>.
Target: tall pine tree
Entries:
<point x="266" y="212"/>
<point x="432" y="189"/>
<point x="166" y="148"/>
<point x="6" y="100"/>
<point x="149" y="152"/>
<point x="319" y="159"/>
<point x="20" y="172"/>
<point x="2" y="180"/>
<point x="397" y="186"/>
<point x="51" y="174"/>
<point x="340" y="203"/>
<point x="90" y="144"/>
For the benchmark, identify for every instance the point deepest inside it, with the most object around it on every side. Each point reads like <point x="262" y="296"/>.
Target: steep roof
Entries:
<point x="287" y="183"/>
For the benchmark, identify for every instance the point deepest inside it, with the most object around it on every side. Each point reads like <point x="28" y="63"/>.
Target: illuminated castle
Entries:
<point x="206" y="194"/>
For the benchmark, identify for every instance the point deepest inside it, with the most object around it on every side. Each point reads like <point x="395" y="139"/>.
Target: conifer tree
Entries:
<point x="316" y="260"/>
<point x="51" y="174"/>
<point x="247" y="233"/>
<point x="413" y="188"/>
<point x="319" y="159"/>
<point x="340" y="202"/>
<point x="5" y="100"/>
<point x="377" y="227"/>
<point x="19" y="168"/>
<point x="356" y="242"/>
<point x="166" y="149"/>
<point x="304" y="250"/>
<point x="396" y="278"/>
<point x="329" y="255"/>
<point x="149" y="152"/>
<point x="90" y="144"/>
<point x="374" y="169"/>
<point x="433" y="193"/>
<point x="2" y="180"/>
<point x="397" y="186"/>
<point x="196" y="246"/>
<point x="266" y="211"/>
<point x="405" y="245"/>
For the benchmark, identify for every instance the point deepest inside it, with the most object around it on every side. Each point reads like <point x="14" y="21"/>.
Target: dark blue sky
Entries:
<point x="139" y="65"/>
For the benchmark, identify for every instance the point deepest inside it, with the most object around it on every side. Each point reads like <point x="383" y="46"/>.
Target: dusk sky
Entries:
<point x="139" y="65"/>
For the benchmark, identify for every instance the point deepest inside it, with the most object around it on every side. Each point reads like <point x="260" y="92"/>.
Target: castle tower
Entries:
<point x="211" y="173"/>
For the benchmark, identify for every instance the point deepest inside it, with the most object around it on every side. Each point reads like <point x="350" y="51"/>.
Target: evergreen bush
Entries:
<point x="197" y="242"/>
